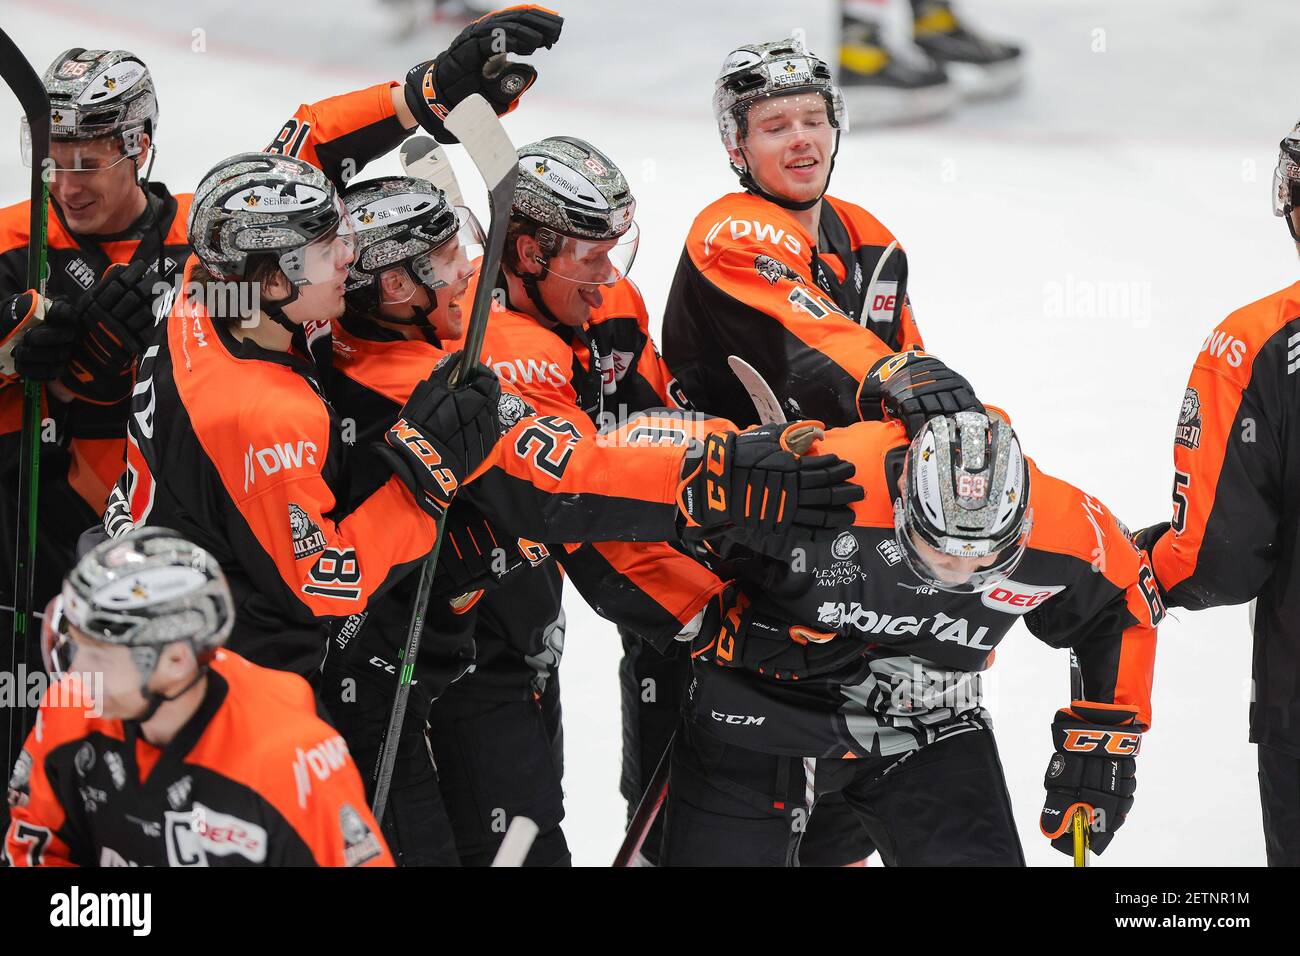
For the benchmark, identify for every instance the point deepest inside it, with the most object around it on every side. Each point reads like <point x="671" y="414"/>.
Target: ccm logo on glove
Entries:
<point x="1119" y="743"/>
<point x="410" y="436"/>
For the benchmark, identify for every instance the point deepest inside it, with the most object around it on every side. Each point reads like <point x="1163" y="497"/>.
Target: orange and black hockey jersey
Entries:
<point x="752" y="282"/>
<point x="844" y="652"/>
<point x="1235" y="531"/>
<point x="254" y="778"/>
<point x="82" y="448"/>
<point x="550" y="477"/>
<point x="634" y="377"/>
<point x="81" y="463"/>
<point x="234" y="447"/>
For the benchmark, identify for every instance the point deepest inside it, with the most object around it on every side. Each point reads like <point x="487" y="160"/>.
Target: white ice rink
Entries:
<point x="1069" y="251"/>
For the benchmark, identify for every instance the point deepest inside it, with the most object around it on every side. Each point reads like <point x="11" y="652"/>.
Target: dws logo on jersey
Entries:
<point x="283" y="456"/>
<point x="1218" y="342"/>
<point x="528" y="371"/>
<point x="1011" y="597"/>
<point x="764" y="232"/>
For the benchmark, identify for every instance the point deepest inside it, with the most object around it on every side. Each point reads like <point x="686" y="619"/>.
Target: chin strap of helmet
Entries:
<point x="146" y="660"/>
<point x="534" y="292"/>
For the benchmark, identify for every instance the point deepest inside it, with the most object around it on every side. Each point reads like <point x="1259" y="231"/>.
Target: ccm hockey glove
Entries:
<point x="443" y="435"/>
<point x="1093" y="768"/>
<point x="911" y="387"/>
<point x="35" y="346"/>
<point x="756" y="482"/>
<point x="476" y="63"/>
<point x="116" y="316"/>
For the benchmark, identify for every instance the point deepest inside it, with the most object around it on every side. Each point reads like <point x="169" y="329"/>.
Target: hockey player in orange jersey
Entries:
<point x="779" y="274"/>
<point x="156" y="747"/>
<point x="852" y="665"/>
<point x="1235" y="531"/>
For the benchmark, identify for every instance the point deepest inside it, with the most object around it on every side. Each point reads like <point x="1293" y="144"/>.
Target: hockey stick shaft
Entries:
<point x="26" y="85"/>
<point x="423" y="158"/>
<point x="647" y="810"/>
<point x="480" y="131"/>
<point x="1079" y="822"/>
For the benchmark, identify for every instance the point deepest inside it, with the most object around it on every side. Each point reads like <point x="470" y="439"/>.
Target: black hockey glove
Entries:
<point x="1093" y="768"/>
<point x="1145" y="538"/>
<point x="117" y="319"/>
<point x="476" y="62"/>
<point x="475" y="557"/>
<point x="756" y="481"/>
<point x="441" y="435"/>
<point x="41" y="351"/>
<point x="911" y="387"/>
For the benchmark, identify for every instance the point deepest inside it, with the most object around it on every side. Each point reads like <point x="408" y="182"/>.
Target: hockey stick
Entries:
<point x="769" y="413"/>
<point x="516" y="843"/>
<point x="865" y="317"/>
<point x="27" y="86"/>
<point x="423" y="158"/>
<point x="1079" y="822"/>
<point x="760" y="393"/>
<point x="480" y="131"/>
<point x="647" y="809"/>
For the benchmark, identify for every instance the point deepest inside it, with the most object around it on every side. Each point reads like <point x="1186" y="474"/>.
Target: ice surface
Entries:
<point x="1138" y="174"/>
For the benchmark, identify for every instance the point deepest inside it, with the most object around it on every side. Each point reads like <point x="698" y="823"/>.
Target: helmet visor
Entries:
<point x="947" y="569"/>
<point x="774" y="119"/>
<point x="326" y="258"/>
<point x="1286" y="179"/>
<point x="57" y="646"/>
<point x="457" y="259"/>
<point x="594" y="261"/>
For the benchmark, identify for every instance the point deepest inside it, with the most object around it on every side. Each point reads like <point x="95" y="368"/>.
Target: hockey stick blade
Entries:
<point x="516" y="843"/>
<point x="480" y="131"/>
<point x="423" y="158"/>
<point x="865" y="317"/>
<point x="760" y="393"/>
<point x="800" y="439"/>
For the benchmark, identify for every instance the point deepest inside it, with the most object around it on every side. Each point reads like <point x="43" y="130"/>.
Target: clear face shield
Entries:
<point x="85" y="153"/>
<point x="1286" y="177"/>
<point x="448" y="266"/>
<point x="959" y="565"/>
<point x="57" y="646"/>
<point x="772" y="121"/>
<point x="590" y="261"/>
<point x="325" y="259"/>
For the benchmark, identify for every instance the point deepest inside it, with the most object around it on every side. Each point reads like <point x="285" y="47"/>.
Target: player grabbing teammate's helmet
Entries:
<point x="572" y="221"/>
<point x="416" y="254"/>
<point x="963" y="519"/>
<point x="768" y="99"/>
<point x="125" y="605"/>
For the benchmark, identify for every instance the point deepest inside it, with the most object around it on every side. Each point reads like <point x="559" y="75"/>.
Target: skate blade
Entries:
<point x="885" y="107"/>
<point x="976" y="82"/>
